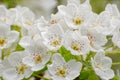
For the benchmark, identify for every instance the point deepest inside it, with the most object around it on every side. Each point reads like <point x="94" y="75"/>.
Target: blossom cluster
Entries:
<point x="73" y="42"/>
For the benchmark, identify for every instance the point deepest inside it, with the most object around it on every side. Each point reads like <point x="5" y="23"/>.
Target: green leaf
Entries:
<point x="99" y="5"/>
<point x="88" y="74"/>
<point x="1" y="78"/>
<point x="90" y="55"/>
<point x="25" y="79"/>
<point x="84" y="75"/>
<point x="66" y="53"/>
<point x="11" y="3"/>
<point x="116" y="78"/>
<point x="19" y="48"/>
<point x="16" y="28"/>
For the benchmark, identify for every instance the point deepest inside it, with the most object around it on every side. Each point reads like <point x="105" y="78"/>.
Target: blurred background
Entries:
<point x="46" y="7"/>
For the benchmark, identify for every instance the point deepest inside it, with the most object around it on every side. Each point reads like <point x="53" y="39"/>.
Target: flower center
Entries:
<point x="2" y="42"/>
<point x="75" y="47"/>
<point x="77" y="21"/>
<point x="53" y="21"/>
<point x="91" y="39"/>
<point x="37" y="58"/>
<point x="28" y="22"/>
<point x="56" y="42"/>
<point x="97" y="66"/>
<point x="21" y="69"/>
<point x="62" y="72"/>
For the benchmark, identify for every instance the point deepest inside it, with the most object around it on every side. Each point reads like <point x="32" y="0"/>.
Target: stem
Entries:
<point x="107" y="47"/>
<point x="41" y="77"/>
<point x="112" y="52"/>
<point x="2" y="57"/>
<point x="79" y="58"/>
<point x="116" y="63"/>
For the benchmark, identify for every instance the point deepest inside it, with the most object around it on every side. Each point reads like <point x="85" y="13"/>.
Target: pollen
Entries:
<point x="28" y="22"/>
<point x="53" y="21"/>
<point x="97" y="66"/>
<point x="21" y="69"/>
<point x="62" y="72"/>
<point x="56" y="42"/>
<point x="2" y="42"/>
<point x="77" y="21"/>
<point x="91" y="39"/>
<point x="38" y="58"/>
<point x="75" y="47"/>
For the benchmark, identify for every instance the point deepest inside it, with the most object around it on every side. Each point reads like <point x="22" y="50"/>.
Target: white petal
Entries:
<point x="74" y="69"/>
<point x="10" y="74"/>
<point x="4" y="29"/>
<point x="105" y="74"/>
<point x="28" y="61"/>
<point x="28" y="73"/>
<point x="25" y="41"/>
<point x="106" y="62"/>
<point x="57" y="62"/>
<point x="46" y="58"/>
<point x="16" y="58"/>
<point x="37" y="67"/>
<point x="58" y="59"/>
<point x="98" y="57"/>
<point x="13" y="36"/>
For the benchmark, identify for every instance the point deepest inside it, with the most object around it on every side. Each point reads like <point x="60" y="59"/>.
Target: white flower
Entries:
<point x="96" y="39"/>
<point x="76" y="15"/>
<point x="4" y="64"/>
<point x="53" y="37"/>
<point x="116" y="34"/>
<point x="104" y="23"/>
<point x="60" y="70"/>
<point x="37" y="55"/>
<point x="25" y="19"/>
<point x="77" y="44"/>
<point x="28" y="18"/>
<point x="6" y="16"/>
<point x="26" y="41"/>
<point x="58" y="18"/>
<point x="24" y="16"/>
<point x="7" y="37"/>
<point x="36" y="52"/>
<point x="41" y="23"/>
<point x="113" y="10"/>
<point x="18" y="70"/>
<point x="102" y="66"/>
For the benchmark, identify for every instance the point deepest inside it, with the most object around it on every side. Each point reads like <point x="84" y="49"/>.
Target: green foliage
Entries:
<point x="16" y="28"/>
<point x="88" y="74"/>
<point x="19" y="48"/>
<point x="66" y="53"/>
<point x="1" y="78"/>
<point x="116" y="78"/>
<point x="99" y="5"/>
<point x="11" y="3"/>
